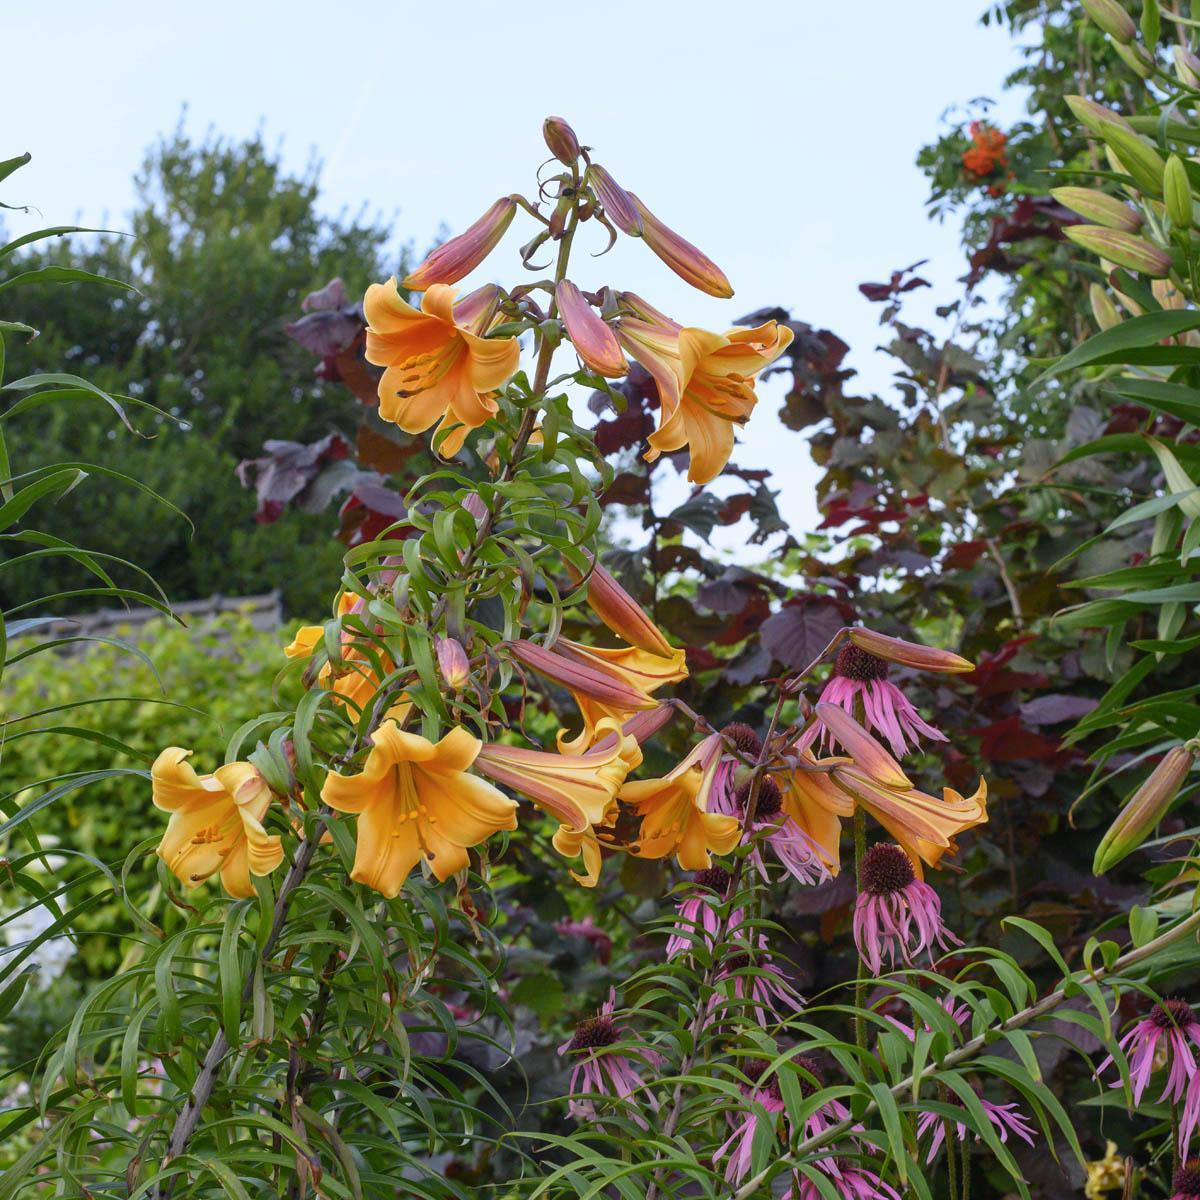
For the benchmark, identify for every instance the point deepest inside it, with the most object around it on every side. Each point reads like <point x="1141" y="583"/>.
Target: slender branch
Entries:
<point x="969" y="1049"/>
<point x="1014" y="600"/>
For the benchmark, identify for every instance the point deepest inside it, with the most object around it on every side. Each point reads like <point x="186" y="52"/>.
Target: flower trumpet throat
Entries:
<point x="416" y="802"/>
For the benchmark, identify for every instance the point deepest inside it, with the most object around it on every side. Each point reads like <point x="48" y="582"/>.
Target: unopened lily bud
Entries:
<point x="689" y="263"/>
<point x="1133" y="253"/>
<point x="561" y="140"/>
<point x="453" y="663"/>
<point x="1177" y="193"/>
<point x="1139" y="159"/>
<point x="1144" y="809"/>
<point x="621" y="613"/>
<point x="1187" y="68"/>
<point x="867" y="753"/>
<point x="1099" y="208"/>
<point x="615" y="200"/>
<point x="909" y="654"/>
<point x="1136" y="59"/>
<point x="1095" y="117"/>
<point x="461" y="255"/>
<point x="1112" y="18"/>
<point x="474" y="504"/>
<point x="594" y="342"/>
<point x="1103" y="309"/>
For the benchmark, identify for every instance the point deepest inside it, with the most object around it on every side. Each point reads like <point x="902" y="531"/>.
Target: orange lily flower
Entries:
<point x="580" y="843"/>
<point x="414" y="801"/>
<point x="439" y="365"/>
<point x="674" y="811"/>
<point x="817" y="805"/>
<point x="216" y="822"/>
<point x="705" y="383"/>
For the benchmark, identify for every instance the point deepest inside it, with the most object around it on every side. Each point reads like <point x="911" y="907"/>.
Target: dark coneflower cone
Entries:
<point x="1173" y="1014"/>
<point x="716" y="879"/>
<point x="770" y="798"/>
<point x="858" y="664"/>
<point x="744" y="738"/>
<point x="1187" y="1179"/>
<point x="886" y="869"/>
<point x="807" y="1087"/>
<point x="595" y="1031"/>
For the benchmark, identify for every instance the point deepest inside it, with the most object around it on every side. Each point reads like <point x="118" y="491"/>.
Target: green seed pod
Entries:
<point x="1144" y="809"/>
<point x="1124" y="249"/>
<point x="1099" y="208"/>
<point x="1177" y="192"/>
<point x="1103" y="309"/>
<point x="1112" y="18"/>
<point x="1141" y="161"/>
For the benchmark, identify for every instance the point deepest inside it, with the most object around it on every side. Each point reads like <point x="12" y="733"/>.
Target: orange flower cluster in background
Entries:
<point x="986" y="155"/>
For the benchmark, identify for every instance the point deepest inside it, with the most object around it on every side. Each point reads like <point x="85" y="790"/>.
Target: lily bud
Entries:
<point x="690" y="264"/>
<point x="1177" y="193"/>
<point x="621" y="613"/>
<point x="1095" y="117"/>
<point x="461" y="255"/>
<point x="1187" y="68"/>
<point x="868" y="754"/>
<point x="1141" y="161"/>
<point x="594" y="342"/>
<point x="1133" y="253"/>
<point x="1144" y="809"/>
<point x="561" y="140"/>
<point x="909" y="654"/>
<point x="578" y="677"/>
<point x="1136" y="59"/>
<point x="1112" y="18"/>
<point x="1099" y="208"/>
<point x="615" y="200"/>
<point x="1103" y="309"/>
<point x="453" y="663"/>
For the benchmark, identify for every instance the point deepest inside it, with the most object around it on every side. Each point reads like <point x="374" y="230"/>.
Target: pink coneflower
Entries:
<point x="830" y="1113"/>
<point x="796" y="851"/>
<point x="755" y="982"/>
<point x="860" y="675"/>
<point x="597" y="1073"/>
<point x="1173" y="1024"/>
<point x="959" y="1011"/>
<point x="896" y="915"/>
<point x="698" y="919"/>
<point x="1007" y="1118"/>
<point x="744" y="738"/>
<point x="854" y="1182"/>
<point x="1186" y="1184"/>
<point x="766" y="1104"/>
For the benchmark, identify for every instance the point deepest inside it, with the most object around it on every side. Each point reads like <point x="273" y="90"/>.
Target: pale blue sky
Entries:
<point x="781" y="140"/>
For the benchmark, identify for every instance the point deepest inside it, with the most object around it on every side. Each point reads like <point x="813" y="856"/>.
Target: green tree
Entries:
<point x="225" y="243"/>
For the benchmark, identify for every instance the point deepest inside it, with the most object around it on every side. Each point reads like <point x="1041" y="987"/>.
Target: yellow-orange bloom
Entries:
<point x="439" y="365"/>
<point x="817" y="805"/>
<point x="414" y="801"/>
<point x="674" y="811"/>
<point x="580" y="843"/>
<point x="216" y="822"/>
<point x="580" y="790"/>
<point x="705" y="384"/>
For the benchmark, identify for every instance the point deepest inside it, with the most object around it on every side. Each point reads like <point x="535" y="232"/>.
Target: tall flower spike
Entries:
<point x="458" y="257"/>
<point x="675" y="811"/>
<point x="594" y="342"/>
<point x="579" y="790"/>
<point x="705" y="383"/>
<point x="415" y="801"/>
<point x="438" y="364"/>
<point x="216" y="822"/>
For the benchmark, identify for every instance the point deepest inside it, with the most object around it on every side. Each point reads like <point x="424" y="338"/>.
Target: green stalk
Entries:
<point x="861" y="975"/>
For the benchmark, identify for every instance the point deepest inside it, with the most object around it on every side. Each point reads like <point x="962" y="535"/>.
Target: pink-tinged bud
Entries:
<point x="561" y="140"/>
<point x="594" y="342"/>
<point x="1095" y="116"/>
<point x="1144" y="809"/>
<point x="453" y="663"/>
<point x="461" y="255"/>
<point x="1112" y="18"/>
<point x="909" y="654"/>
<point x="642" y="726"/>
<point x="867" y="753"/>
<point x="689" y="263"/>
<point x="615" y="200"/>
<point x="1099" y="208"/>
<point x="475" y="506"/>
<point x="622" y="613"/>
<point x="1133" y="253"/>
<point x="1187" y="68"/>
<point x="578" y="677"/>
<point x="1136" y="59"/>
<point x="1103" y="309"/>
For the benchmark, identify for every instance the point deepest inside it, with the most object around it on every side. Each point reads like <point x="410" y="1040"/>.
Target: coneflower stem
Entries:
<point x="951" y="1157"/>
<point x="860" y="979"/>
<point x="965" y="1147"/>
